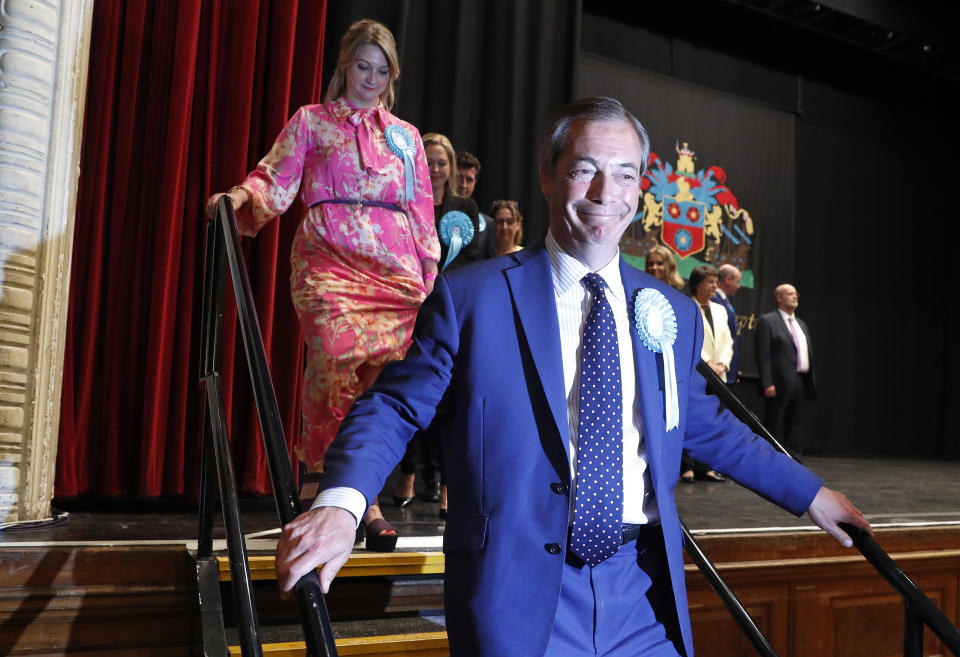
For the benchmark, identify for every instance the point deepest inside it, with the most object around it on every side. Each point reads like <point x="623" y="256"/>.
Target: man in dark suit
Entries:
<point x="785" y="361"/>
<point x="573" y="379"/>
<point x="728" y="282"/>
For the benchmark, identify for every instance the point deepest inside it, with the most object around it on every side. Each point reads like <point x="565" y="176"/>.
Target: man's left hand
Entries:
<point x="829" y="508"/>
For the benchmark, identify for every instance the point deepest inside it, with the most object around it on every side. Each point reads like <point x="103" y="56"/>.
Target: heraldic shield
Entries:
<point x="683" y="223"/>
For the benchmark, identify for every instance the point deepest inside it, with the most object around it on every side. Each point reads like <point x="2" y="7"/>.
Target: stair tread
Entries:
<point x="360" y="564"/>
<point x="374" y="629"/>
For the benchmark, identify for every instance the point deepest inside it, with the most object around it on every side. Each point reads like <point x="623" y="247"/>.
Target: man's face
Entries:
<point x="594" y="189"/>
<point x="466" y="181"/>
<point x="730" y="284"/>
<point x="787" y="298"/>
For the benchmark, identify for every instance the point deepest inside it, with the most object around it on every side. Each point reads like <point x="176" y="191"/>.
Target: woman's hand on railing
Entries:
<point x="829" y="508"/>
<point x="239" y="196"/>
<point x="324" y="535"/>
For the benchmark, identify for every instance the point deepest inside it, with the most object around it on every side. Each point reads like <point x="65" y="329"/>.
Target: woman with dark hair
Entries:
<point x="717" y="351"/>
<point x="366" y="253"/>
<point x="509" y="222"/>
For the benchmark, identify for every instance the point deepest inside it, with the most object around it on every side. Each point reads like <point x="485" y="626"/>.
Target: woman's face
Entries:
<point x="706" y="289"/>
<point x="507" y="226"/>
<point x="367" y="76"/>
<point x="657" y="266"/>
<point x="439" y="166"/>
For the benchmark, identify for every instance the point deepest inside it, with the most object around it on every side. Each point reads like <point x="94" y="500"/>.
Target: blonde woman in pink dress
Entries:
<point x="365" y="255"/>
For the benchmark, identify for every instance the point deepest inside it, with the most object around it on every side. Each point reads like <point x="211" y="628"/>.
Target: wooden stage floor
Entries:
<point x="890" y="492"/>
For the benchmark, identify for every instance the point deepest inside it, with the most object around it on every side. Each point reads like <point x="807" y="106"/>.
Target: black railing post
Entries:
<point x="733" y="604"/>
<point x="211" y="354"/>
<point x="912" y="633"/>
<point x="239" y="564"/>
<point x="313" y="610"/>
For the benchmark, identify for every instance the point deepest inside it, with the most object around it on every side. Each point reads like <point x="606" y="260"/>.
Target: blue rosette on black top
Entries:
<point x="455" y="231"/>
<point x="401" y="143"/>
<point x="656" y="323"/>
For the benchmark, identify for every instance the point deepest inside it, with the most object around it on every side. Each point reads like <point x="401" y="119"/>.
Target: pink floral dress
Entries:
<point x="357" y="277"/>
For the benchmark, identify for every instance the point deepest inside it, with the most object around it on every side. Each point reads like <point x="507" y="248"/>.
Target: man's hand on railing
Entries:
<point x="324" y="535"/>
<point x="829" y="508"/>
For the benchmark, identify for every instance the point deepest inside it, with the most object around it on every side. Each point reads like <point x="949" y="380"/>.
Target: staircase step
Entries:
<point x="423" y="644"/>
<point x="360" y="564"/>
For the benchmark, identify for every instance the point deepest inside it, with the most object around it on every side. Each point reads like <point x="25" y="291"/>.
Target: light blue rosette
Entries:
<point x="401" y="143"/>
<point x="656" y="323"/>
<point x="455" y="231"/>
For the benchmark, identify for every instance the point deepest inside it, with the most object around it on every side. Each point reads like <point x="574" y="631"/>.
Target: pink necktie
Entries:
<point x="796" y="339"/>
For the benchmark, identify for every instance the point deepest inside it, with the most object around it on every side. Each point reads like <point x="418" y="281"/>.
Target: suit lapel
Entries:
<point x="649" y="382"/>
<point x="531" y="286"/>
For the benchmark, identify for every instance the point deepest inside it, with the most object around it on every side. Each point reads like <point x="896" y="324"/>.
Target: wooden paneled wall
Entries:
<point x="812" y="598"/>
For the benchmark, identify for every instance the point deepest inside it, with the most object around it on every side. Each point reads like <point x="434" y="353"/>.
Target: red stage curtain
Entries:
<point x="183" y="98"/>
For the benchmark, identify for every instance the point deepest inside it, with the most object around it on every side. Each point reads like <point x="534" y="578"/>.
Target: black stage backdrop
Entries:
<point x="753" y="144"/>
<point x="874" y="246"/>
<point x="486" y="73"/>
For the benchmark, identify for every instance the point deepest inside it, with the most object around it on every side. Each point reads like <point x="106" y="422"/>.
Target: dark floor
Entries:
<point x="888" y="491"/>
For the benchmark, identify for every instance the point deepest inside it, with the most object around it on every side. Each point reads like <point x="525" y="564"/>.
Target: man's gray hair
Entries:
<point x="596" y="108"/>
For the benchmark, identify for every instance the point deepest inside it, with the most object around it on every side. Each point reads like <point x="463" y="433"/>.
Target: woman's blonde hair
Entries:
<point x="515" y="211"/>
<point x="673" y="278"/>
<point x="363" y="33"/>
<point x="436" y="139"/>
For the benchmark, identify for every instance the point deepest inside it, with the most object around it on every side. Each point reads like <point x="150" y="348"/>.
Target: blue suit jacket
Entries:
<point x="488" y="339"/>
<point x="732" y="323"/>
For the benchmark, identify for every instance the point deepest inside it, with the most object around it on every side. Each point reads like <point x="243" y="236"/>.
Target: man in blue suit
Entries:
<point x="728" y="282"/>
<point x="501" y="342"/>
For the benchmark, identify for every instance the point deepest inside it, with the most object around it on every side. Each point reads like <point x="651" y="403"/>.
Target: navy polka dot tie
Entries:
<point x="598" y="513"/>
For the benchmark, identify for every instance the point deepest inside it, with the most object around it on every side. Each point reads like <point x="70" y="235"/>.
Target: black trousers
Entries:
<point x="784" y="416"/>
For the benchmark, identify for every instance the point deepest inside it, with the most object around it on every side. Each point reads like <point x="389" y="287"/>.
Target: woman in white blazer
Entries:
<point x="717" y="351"/>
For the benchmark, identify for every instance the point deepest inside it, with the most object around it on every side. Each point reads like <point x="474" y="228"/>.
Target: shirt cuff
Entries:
<point x="345" y="498"/>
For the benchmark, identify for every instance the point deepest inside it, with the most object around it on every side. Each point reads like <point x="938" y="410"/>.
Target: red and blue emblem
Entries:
<point x="683" y="226"/>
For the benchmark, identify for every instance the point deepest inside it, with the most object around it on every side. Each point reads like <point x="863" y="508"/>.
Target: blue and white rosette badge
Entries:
<point x="401" y="143"/>
<point x="455" y="231"/>
<point x="657" y="325"/>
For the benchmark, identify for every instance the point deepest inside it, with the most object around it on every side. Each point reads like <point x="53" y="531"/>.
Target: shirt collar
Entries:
<point x="723" y="295"/>
<point x="783" y="313"/>
<point x="568" y="271"/>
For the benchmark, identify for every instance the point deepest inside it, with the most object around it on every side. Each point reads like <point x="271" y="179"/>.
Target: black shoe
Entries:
<point x="710" y="475"/>
<point x="402" y="501"/>
<point x="688" y="477"/>
<point x="432" y="494"/>
<point x="443" y="514"/>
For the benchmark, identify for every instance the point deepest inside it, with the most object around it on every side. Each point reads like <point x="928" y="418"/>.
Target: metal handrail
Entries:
<point x="223" y="239"/>
<point x="918" y="607"/>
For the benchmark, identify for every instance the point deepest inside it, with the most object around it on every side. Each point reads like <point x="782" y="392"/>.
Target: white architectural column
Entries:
<point x="44" y="47"/>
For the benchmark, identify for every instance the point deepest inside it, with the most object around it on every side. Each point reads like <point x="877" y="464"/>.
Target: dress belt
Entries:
<point x="360" y="202"/>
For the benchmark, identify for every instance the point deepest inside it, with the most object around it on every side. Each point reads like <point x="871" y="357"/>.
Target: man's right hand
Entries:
<point x="770" y="391"/>
<point x="324" y="535"/>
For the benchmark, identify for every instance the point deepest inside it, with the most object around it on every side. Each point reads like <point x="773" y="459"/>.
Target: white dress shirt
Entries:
<point x="803" y="354"/>
<point x="573" y="303"/>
